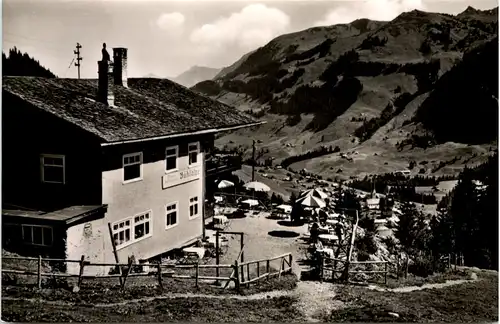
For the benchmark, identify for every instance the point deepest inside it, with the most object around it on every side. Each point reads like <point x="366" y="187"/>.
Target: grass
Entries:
<point x="108" y="291"/>
<point x="476" y="301"/>
<point x="412" y="280"/>
<point x="179" y="309"/>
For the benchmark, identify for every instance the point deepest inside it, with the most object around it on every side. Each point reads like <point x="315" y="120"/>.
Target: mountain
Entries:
<point x="387" y="92"/>
<point x="19" y="64"/>
<point x="153" y="76"/>
<point x="196" y="74"/>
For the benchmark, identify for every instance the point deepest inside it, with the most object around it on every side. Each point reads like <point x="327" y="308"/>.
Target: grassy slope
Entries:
<point x="470" y="302"/>
<point x="475" y="301"/>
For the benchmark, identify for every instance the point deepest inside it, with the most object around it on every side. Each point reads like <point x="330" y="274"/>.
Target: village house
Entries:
<point x="92" y="162"/>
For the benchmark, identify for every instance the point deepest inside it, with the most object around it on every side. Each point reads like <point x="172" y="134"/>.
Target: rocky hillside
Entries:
<point x="421" y="87"/>
<point x="195" y="74"/>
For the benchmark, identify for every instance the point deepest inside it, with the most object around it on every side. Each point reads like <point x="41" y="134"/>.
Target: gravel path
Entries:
<point x="425" y="286"/>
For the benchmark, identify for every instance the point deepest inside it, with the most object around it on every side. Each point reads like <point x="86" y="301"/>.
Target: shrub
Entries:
<point x="422" y="267"/>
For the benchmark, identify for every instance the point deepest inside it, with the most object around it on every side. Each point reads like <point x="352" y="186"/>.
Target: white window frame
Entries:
<point x="197" y="154"/>
<point x="134" y="163"/>
<point x="54" y="156"/>
<point x="176" y="203"/>
<point x="150" y="220"/>
<point x="176" y="147"/>
<point x="131" y="227"/>
<point x="193" y="203"/>
<point x="31" y="226"/>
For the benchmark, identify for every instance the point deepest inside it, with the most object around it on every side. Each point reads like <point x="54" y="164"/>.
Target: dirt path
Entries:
<point x="316" y="299"/>
<point x="426" y="286"/>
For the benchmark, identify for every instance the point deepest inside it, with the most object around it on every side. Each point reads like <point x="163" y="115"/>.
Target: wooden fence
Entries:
<point x="330" y="265"/>
<point x="285" y="267"/>
<point x="161" y="270"/>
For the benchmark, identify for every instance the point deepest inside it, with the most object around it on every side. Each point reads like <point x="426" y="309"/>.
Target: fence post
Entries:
<point x="282" y="265"/>
<point x="129" y="269"/>
<point x="248" y="274"/>
<point x="217" y="256"/>
<point x="159" y="276"/>
<point x="290" y="259"/>
<point x="237" y="275"/>
<point x="449" y="260"/>
<point x="258" y="272"/>
<point x="322" y="269"/>
<point x="39" y="279"/>
<point x="82" y="264"/>
<point x="386" y="273"/>
<point x="198" y="271"/>
<point x="397" y="268"/>
<point x="268" y="268"/>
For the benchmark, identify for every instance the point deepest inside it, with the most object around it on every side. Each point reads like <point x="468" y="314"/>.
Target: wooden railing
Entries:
<point x="329" y="267"/>
<point x="160" y="272"/>
<point x="284" y="259"/>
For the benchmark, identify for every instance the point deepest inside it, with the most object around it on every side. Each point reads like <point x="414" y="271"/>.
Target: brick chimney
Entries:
<point x="120" y="66"/>
<point x="105" y="86"/>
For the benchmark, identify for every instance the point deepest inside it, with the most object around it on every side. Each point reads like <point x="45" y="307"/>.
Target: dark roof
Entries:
<point x="147" y="108"/>
<point x="67" y="215"/>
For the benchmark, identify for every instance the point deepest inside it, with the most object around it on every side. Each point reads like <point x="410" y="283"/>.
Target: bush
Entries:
<point x="422" y="267"/>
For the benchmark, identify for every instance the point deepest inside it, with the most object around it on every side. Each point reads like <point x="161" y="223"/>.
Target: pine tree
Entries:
<point x="412" y="231"/>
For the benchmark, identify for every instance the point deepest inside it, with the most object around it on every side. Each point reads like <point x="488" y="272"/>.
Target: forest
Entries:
<point x="17" y="63"/>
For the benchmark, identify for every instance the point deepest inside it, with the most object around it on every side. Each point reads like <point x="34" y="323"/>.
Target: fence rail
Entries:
<point x="328" y="267"/>
<point x="159" y="273"/>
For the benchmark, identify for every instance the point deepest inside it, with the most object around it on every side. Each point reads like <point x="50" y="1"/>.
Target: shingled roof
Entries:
<point x="147" y="108"/>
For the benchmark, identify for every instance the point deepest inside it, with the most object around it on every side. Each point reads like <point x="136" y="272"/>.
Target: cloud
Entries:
<point x="171" y="21"/>
<point x="252" y="27"/>
<point x="384" y="10"/>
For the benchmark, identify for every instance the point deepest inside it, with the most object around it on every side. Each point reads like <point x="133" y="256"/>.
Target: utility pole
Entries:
<point x="253" y="160"/>
<point x="78" y="58"/>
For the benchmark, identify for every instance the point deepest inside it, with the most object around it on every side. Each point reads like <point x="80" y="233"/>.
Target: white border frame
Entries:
<point x="42" y="167"/>
<point x="176" y="147"/>
<point x="198" y="147"/>
<point x="177" y="209"/>
<point x="199" y="207"/>
<point x="32" y="236"/>
<point x="141" y="167"/>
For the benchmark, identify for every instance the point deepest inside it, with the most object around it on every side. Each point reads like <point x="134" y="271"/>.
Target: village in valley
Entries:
<point x="140" y="199"/>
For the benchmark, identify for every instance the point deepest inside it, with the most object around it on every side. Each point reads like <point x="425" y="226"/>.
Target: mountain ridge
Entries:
<point x="360" y="84"/>
<point x="195" y="74"/>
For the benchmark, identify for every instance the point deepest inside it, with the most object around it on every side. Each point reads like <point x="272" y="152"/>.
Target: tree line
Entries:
<point x="17" y="63"/>
<point x="323" y="150"/>
<point x="467" y="225"/>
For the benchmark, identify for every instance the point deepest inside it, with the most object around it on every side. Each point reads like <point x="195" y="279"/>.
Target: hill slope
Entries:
<point x="195" y="74"/>
<point x="382" y="89"/>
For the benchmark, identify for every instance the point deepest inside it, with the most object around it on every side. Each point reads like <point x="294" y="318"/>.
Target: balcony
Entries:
<point x="222" y="163"/>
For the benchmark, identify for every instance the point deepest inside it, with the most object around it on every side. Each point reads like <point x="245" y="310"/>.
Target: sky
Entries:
<point x="165" y="38"/>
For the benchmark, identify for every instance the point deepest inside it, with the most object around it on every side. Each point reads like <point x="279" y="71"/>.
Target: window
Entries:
<point x="132" y="167"/>
<point x="171" y="217"/>
<point x="193" y="150"/>
<point x="37" y="235"/>
<point x="142" y="226"/>
<point x="52" y="168"/>
<point x="133" y="229"/>
<point x="193" y="207"/>
<point x="121" y="232"/>
<point x="171" y="154"/>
